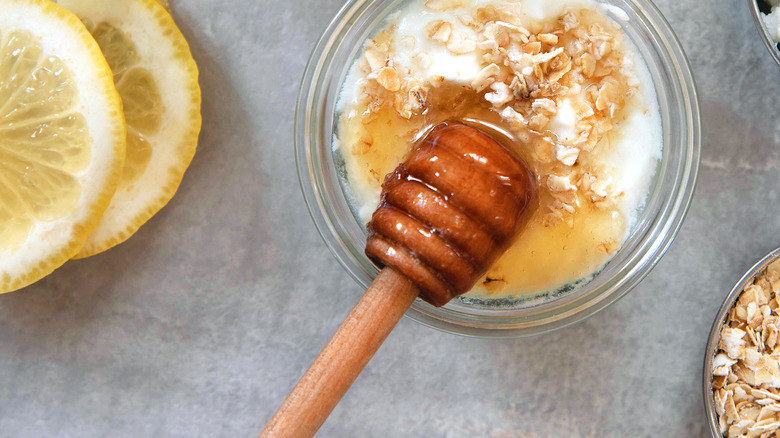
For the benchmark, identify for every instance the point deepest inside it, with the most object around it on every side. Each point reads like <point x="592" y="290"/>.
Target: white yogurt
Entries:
<point x="634" y="146"/>
<point x="637" y="145"/>
<point x="412" y="20"/>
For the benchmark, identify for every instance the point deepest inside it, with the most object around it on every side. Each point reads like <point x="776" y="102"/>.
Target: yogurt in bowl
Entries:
<point x="558" y="80"/>
<point x="597" y="96"/>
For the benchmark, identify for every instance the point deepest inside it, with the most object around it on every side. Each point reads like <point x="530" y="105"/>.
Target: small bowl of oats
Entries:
<point x="741" y="367"/>
<point x="766" y="15"/>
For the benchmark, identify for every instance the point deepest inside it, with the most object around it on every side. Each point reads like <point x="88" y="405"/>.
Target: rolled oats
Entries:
<point x="501" y="94"/>
<point x="457" y="44"/>
<point x="439" y="30"/>
<point x="485" y="77"/>
<point x="566" y="155"/>
<point x="526" y="76"/>
<point x="558" y="183"/>
<point x="443" y="5"/>
<point x="544" y="105"/>
<point x="746" y="383"/>
<point x="548" y="38"/>
<point x="388" y="78"/>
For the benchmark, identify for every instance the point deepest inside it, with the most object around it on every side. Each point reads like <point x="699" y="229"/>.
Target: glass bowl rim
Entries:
<point x="642" y="260"/>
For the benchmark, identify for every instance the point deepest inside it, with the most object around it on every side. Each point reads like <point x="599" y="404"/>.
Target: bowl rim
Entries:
<point x="714" y="336"/>
<point x="770" y="44"/>
<point x="665" y="41"/>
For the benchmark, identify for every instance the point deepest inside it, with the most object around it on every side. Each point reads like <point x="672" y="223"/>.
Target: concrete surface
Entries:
<point x="202" y="322"/>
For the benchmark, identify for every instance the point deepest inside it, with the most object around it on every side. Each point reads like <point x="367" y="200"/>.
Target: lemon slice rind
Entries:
<point x="50" y="243"/>
<point x="163" y="52"/>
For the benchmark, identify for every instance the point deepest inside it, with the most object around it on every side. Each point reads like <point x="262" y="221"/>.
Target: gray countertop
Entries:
<point x="202" y="322"/>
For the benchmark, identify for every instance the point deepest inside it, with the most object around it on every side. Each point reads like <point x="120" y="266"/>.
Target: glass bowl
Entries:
<point x="771" y="45"/>
<point x="714" y="337"/>
<point x="666" y="206"/>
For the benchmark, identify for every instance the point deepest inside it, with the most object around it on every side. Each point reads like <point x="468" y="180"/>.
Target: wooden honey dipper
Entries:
<point x="445" y="216"/>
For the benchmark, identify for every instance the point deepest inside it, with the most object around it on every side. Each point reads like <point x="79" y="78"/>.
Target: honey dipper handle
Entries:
<point x="344" y="357"/>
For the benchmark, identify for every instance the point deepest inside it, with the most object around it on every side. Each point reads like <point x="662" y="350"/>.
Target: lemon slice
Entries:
<point x="158" y="81"/>
<point x="62" y="139"/>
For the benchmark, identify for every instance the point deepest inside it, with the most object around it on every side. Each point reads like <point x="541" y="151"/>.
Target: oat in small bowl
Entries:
<point x="766" y="14"/>
<point x="742" y="360"/>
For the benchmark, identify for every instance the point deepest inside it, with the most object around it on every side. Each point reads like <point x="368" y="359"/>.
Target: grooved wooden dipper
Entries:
<point x="445" y="216"/>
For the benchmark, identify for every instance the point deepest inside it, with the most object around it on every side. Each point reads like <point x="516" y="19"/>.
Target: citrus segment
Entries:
<point x="158" y="81"/>
<point x="62" y="139"/>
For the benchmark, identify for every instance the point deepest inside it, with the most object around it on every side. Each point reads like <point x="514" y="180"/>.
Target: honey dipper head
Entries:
<point x="450" y="210"/>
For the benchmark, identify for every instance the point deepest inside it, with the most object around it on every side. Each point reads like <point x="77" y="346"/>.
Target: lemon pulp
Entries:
<point x="157" y="80"/>
<point x="42" y="141"/>
<point x="141" y="100"/>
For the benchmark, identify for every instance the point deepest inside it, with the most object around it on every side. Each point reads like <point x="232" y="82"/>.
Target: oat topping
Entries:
<point x="746" y="367"/>
<point x="526" y="76"/>
<point x="485" y="77"/>
<point x="556" y="79"/>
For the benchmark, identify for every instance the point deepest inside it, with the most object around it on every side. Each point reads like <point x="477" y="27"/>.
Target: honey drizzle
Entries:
<point x="545" y="256"/>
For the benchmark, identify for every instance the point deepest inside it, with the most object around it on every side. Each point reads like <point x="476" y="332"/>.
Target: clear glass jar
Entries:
<point x="666" y="206"/>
